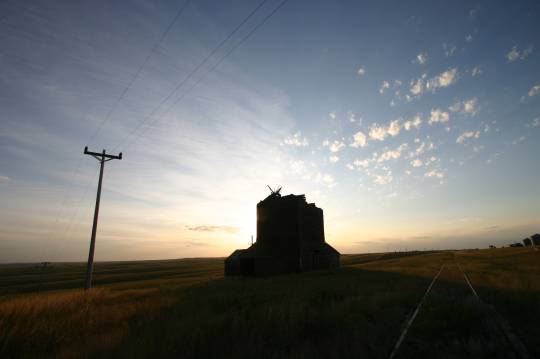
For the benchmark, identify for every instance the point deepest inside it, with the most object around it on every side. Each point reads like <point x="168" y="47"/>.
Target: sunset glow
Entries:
<point x="412" y="128"/>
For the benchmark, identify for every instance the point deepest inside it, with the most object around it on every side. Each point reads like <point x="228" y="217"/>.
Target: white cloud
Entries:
<point x="360" y="139"/>
<point x="4" y="179"/>
<point x="417" y="163"/>
<point x="471" y="106"/>
<point x="333" y="159"/>
<point x="351" y="116"/>
<point x="325" y="179"/>
<point x="388" y="155"/>
<point x="434" y="173"/>
<point x="422" y="148"/>
<point x="377" y="132"/>
<point x="536" y="122"/>
<point x="383" y="179"/>
<point x="468" y="134"/>
<point x="297" y="166"/>
<point x="296" y="140"/>
<point x="393" y="154"/>
<point x="445" y="79"/>
<point x="417" y="86"/>
<point x="361" y="163"/>
<point x="468" y="38"/>
<point x="478" y="148"/>
<point x="513" y="55"/>
<point x="516" y="54"/>
<point x="332" y="115"/>
<point x="361" y="71"/>
<point x="336" y="146"/>
<point x="415" y="121"/>
<point x="438" y="116"/>
<point x="476" y="71"/>
<point x="385" y="85"/>
<point x="535" y="90"/>
<point x="467" y="107"/>
<point x="421" y="58"/>
<point x="394" y="128"/>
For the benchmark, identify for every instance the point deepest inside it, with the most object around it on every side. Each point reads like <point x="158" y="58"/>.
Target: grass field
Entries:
<point x="185" y="308"/>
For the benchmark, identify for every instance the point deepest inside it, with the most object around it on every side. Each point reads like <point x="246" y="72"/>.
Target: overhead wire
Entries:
<point x="112" y="109"/>
<point x="187" y="78"/>
<point x="191" y="73"/>
<point x="139" y="70"/>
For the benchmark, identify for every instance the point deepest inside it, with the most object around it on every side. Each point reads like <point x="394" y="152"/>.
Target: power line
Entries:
<point x="111" y="111"/>
<point x="139" y="70"/>
<point x="242" y="41"/>
<point x="192" y="72"/>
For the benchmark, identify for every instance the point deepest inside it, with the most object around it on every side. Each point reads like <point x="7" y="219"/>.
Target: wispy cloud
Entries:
<point x="468" y="134"/>
<point x="414" y="122"/>
<point x="380" y="132"/>
<point x="445" y="79"/>
<point x="467" y="107"/>
<point x="334" y="146"/>
<point x="359" y="139"/>
<point x="449" y="49"/>
<point x="384" y="86"/>
<point x="438" y="116"/>
<point x="377" y="132"/>
<point x="535" y="90"/>
<point x="383" y="179"/>
<point x="392" y="154"/>
<point x="361" y="71"/>
<point x="422" y="84"/>
<point x="394" y="128"/>
<point x="326" y="179"/>
<point x="435" y="173"/>
<point x="213" y="228"/>
<point x="516" y="54"/>
<point x="296" y="140"/>
<point x="421" y="58"/>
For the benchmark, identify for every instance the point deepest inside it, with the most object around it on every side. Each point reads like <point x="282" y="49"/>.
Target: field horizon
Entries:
<point x="162" y="308"/>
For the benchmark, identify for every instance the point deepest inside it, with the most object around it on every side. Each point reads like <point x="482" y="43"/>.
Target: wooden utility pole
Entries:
<point x="102" y="158"/>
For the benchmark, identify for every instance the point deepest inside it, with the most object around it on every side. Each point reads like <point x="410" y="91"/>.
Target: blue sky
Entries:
<point x="412" y="124"/>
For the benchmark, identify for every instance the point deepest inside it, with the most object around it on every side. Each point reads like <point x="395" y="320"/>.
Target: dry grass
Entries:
<point x="74" y="321"/>
<point x="186" y="308"/>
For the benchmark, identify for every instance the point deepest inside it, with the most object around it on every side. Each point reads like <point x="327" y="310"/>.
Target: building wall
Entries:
<point x="290" y="238"/>
<point x="278" y="225"/>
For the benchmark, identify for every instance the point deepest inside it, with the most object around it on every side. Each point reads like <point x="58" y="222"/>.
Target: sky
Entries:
<point x="412" y="124"/>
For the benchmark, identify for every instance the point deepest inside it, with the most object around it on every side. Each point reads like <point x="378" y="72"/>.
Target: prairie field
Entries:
<point x="186" y="308"/>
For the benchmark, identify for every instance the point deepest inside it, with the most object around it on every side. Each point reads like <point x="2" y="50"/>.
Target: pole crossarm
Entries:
<point x="102" y="158"/>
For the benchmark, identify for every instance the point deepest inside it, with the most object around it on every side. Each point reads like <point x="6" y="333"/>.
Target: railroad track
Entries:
<point x="497" y="322"/>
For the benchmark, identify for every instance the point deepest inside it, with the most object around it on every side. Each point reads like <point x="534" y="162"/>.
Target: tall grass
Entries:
<point x="187" y="309"/>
